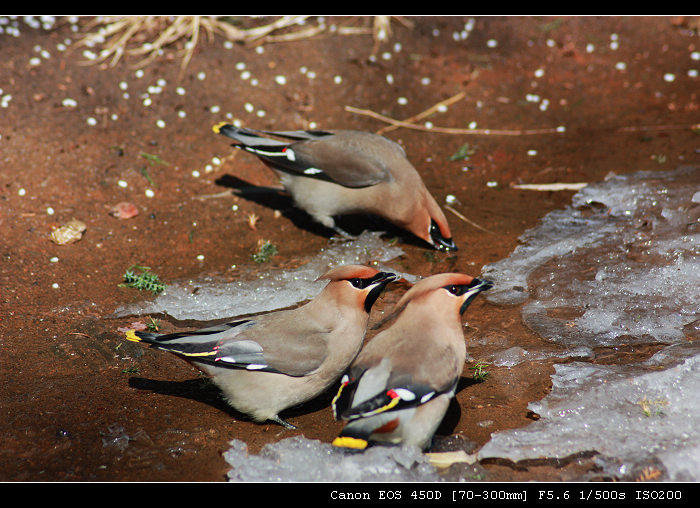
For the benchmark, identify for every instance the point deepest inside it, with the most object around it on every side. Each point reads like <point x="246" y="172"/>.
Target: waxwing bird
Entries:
<point x="399" y="387"/>
<point x="269" y="362"/>
<point x="330" y="173"/>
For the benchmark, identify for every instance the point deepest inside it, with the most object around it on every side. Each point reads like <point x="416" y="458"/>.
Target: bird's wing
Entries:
<point x="348" y="158"/>
<point x="245" y="344"/>
<point x="383" y="385"/>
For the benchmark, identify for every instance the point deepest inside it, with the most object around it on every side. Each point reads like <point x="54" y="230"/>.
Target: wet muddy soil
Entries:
<point x="79" y="403"/>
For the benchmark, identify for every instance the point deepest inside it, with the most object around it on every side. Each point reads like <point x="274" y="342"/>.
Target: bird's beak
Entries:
<point x="376" y="287"/>
<point x="476" y="287"/>
<point x="440" y="242"/>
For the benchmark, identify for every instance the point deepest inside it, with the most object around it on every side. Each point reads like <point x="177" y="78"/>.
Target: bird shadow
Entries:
<point x="276" y="198"/>
<point x="454" y="411"/>
<point x="204" y="391"/>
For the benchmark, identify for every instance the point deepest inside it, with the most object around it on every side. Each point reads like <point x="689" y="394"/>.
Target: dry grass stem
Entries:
<point x="467" y="220"/>
<point x="432" y="109"/>
<point x="148" y="36"/>
<point x="551" y="186"/>
<point x="450" y="130"/>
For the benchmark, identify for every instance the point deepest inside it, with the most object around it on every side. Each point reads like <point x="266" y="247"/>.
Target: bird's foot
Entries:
<point x="284" y="424"/>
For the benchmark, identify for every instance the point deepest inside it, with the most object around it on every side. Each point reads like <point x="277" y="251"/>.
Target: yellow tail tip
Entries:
<point x="131" y="335"/>
<point x="350" y="442"/>
<point x="217" y="128"/>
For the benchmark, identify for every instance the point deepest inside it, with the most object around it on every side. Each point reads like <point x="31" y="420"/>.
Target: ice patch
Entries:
<point x="631" y="417"/>
<point x="270" y="290"/>
<point x="620" y="266"/>
<point x="298" y="459"/>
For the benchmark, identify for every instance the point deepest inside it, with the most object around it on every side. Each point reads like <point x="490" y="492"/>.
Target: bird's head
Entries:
<point x="363" y="284"/>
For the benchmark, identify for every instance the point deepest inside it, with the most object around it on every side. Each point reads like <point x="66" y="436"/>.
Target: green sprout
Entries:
<point x="153" y="325"/>
<point x="463" y="153"/>
<point x="652" y="407"/>
<point x="265" y="251"/>
<point x="153" y="158"/>
<point x="480" y="371"/>
<point x="141" y="277"/>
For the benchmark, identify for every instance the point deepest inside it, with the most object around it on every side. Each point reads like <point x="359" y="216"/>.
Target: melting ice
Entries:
<point x="620" y="266"/>
<point x="270" y="290"/>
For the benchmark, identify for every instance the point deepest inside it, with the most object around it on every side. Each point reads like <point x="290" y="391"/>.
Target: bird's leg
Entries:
<point x="284" y="424"/>
<point x="344" y="234"/>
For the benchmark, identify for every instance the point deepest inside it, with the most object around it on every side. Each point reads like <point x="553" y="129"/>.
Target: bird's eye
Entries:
<point x="358" y="283"/>
<point x="455" y="289"/>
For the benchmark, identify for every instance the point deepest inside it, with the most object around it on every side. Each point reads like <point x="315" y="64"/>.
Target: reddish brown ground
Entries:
<point x="67" y="376"/>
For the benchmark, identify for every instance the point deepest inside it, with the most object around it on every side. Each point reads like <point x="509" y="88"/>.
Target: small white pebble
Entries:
<point x="200" y="257"/>
<point x="425" y="81"/>
<point x="49" y="211"/>
<point x="550" y="43"/>
<point x="614" y="45"/>
<point x="539" y="73"/>
<point x="22" y="191"/>
<point x="122" y="184"/>
<point x="160" y="123"/>
<point x="234" y="207"/>
<point x="620" y="66"/>
<point x="55" y="285"/>
<point x="337" y="80"/>
<point x="669" y="77"/>
<point x="149" y="193"/>
<point x="402" y="100"/>
<point x="492" y="43"/>
<point x="147" y="101"/>
<point x="245" y="75"/>
<point x="442" y="108"/>
<point x="91" y="121"/>
<point x="472" y="125"/>
<point x="68" y="103"/>
<point x="280" y="80"/>
<point x="215" y="109"/>
<point x="201" y="75"/>
<point x="450" y="199"/>
<point x="54" y="259"/>
<point x="532" y="152"/>
<point x="139" y="73"/>
<point x="216" y="161"/>
<point x="240" y="66"/>
<point x="34" y="61"/>
<point x="590" y="48"/>
<point x="428" y="125"/>
<point x="692" y="73"/>
<point x="311" y="75"/>
<point x="123" y="85"/>
<point x="561" y="128"/>
<point x="195" y="173"/>
<point x="260" y="113"/>
<point x="695" y="55"/>
<point x="248" y="107"/>
<point x="386" y="55"/>
<point x="390" y="79"/>
<point x="491" y="184"/>
<point x="161" y="82"/>
<point x="181" y="114"/>
<point x="180" y="91"/>
<point x="259" y="50"/>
